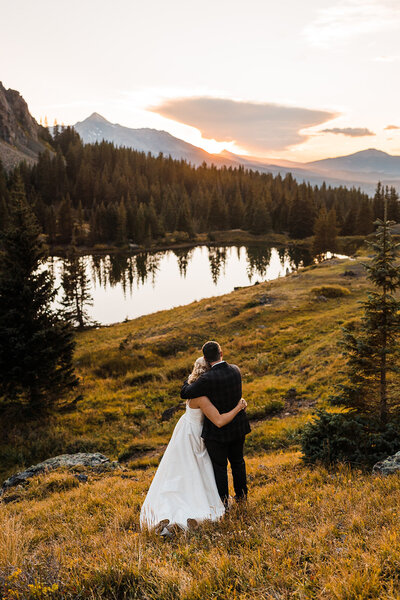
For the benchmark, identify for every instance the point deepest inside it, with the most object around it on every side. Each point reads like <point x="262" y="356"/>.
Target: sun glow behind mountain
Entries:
<point x="289" y="80"/>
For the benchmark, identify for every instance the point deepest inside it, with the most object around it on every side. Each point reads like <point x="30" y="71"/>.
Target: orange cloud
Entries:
<point x="259" y="127"/>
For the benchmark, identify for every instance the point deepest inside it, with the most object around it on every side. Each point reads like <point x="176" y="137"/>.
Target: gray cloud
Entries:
<point x="350" y="131"/>
<point x="255" y="126"/>
<point x="392" y="127"/>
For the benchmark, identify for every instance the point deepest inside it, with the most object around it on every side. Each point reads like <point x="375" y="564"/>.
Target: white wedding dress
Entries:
<point x="184" y="485"/>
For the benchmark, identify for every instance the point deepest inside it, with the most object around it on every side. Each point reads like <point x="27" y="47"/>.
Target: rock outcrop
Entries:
<point x="20" y="134"/>
<point x="94" y="460"/>
<point x="390" y="465"/>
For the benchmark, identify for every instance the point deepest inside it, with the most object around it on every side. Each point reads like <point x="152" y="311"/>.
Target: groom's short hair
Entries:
<point x="212" y="351"/>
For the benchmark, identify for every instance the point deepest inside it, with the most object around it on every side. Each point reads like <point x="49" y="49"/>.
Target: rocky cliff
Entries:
<point x="21" y="137"/>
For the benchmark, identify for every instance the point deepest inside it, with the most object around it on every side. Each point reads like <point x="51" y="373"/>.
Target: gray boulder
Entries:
<point x="390" y="465"/>
<point x="84" y="459"/>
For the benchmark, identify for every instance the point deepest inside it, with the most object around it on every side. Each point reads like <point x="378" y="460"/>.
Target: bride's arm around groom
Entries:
<point x="222" y="385"/>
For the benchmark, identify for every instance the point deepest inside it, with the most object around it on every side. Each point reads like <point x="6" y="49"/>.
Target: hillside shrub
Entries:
<point x="271" y="407"/>
<point x="347" y="437"/>
<point x="136" y="450"/>
<point x="330" y="291"/>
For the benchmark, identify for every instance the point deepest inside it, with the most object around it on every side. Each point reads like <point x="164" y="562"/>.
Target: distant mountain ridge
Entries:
<point x="96" y="128"/>
<point x="362" y="169"/>
<point x="370" y="160"/>
<point x="22" y="138"/>
<point x="20" y="134"/>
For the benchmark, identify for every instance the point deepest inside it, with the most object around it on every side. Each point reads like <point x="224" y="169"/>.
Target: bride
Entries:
<point x="183" y="491"/>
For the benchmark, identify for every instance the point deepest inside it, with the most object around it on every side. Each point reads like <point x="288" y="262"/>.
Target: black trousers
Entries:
<point x="220" y="453"/>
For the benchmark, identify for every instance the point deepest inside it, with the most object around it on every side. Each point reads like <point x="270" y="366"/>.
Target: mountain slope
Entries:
<point x="96" y="128"/>
<point x="20" y="134"/>
<point x="367" y="161"/>
<point x="362" y="169"/>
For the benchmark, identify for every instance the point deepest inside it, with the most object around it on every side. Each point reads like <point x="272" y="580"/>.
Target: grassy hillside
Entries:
<point x="307" y="533"/>
<point x="283" y="336"/>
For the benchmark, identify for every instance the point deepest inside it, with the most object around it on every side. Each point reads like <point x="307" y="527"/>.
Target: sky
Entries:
<point x="284" y="79"/>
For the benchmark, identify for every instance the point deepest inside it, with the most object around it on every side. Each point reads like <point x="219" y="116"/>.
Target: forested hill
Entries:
<point x="97" y="193"/>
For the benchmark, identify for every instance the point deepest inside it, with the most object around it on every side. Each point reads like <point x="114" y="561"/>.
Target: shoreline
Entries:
<point x="347" y="244"/>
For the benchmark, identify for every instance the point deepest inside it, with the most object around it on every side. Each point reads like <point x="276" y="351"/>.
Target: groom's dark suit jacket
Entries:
<point x="222" y="384"/>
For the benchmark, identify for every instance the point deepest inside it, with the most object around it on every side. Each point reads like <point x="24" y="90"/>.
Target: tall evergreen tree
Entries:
<point x="261" y="218"/>
<point x="365" y="218"/>
<point x="36" y="346"/>
<point x="301" y="214"/>
<point x="65" y="221"/>
<point x="325" y="232"/>
<point x="320" y="241"/>
<point x="378" y="201"/>
<point x="77" y="296"/>
<point x="350" y="221"/>
<point x="393" y="207"/>
<point x="372" y="351"/>
<point x="237" y="210"/>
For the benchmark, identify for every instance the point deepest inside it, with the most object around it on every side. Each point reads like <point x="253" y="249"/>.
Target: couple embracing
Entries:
<point x="191" y="482"/>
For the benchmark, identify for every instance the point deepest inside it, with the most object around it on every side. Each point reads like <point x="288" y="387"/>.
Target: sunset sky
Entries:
<point x="285" y="79"/>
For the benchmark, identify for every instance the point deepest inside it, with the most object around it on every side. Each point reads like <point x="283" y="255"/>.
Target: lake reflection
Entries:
<point x="125" y="287"/>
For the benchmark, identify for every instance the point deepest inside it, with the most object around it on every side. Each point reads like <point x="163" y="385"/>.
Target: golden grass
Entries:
<point x="305" y="534"/>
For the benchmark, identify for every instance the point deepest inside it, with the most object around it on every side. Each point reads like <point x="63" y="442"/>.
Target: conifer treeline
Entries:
<point x="97" y="193"/>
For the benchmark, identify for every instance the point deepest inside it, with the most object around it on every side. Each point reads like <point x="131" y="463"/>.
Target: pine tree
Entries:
<point x="36" y="346"/>
<point x="378" y="201"/>
<point x="332" y="231"/>
<point x="141" y="223"/>
<point x="51" y="224"/>
<point x="65" y="221"/>
<point x="237" y="210"/>
<point x="350" y="221"/>
<point x="372" y="350"/>
<point x="393" y="208"/>
<point x="364" y="220"/>
<point x="121" y="224"/>
<point x="184" y="221"/>
<point x="320" y="241"/>
<point x="301" y="214"/>
<point x="76" y="289"/>
<point x="261" y="217"/>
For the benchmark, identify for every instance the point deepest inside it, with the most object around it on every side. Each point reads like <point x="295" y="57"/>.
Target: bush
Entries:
<point x="330" y="291"/>
<point x="259" y="441"/>
<point x="136" y="450"/>
<point x="170" y="346"/>
<point x="347" y="437"/>
<point x="261" y="412"/>
<point x="143" y="377"/>
<point x="82" y="445"/>
<point x="115" y="366"/>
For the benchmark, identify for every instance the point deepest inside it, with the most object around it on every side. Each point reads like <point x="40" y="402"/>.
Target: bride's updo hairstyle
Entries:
<point x="200" y="367"/>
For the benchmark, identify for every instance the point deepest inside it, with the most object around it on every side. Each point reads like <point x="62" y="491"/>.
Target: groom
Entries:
<point x="222" y="384"/>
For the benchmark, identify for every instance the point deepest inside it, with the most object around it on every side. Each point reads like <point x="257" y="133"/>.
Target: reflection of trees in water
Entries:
<point x="183" y="257"/>
<point x="133" y="271"/>
<point x="125" y="270"/>
<point x="217" y="258"/>
<point x="299" y="257"/>
<point x="147" y="265"/>
<point x="258" y="259"/>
